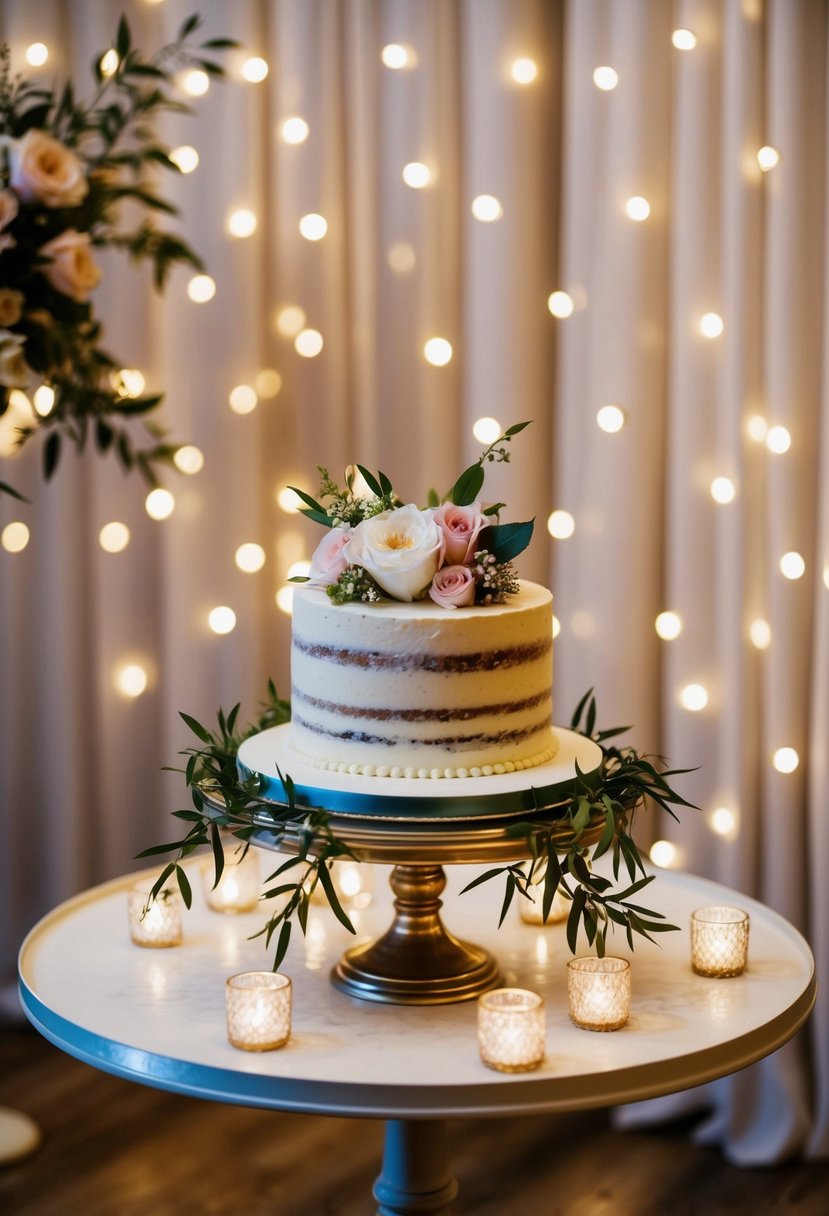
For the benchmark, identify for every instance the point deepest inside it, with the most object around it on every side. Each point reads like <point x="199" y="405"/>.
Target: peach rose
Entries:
<point x="72" y="269"/>
<point x="453" y="587"/>
<point x="14" y="370"/>
<point x="460" y="526"/>
<point x="400" y="549"/>
<point x="9" y="207"/>
<point x="43" y="170"/>
<point x="11" y="306"/>
<point x="327" y="562"/>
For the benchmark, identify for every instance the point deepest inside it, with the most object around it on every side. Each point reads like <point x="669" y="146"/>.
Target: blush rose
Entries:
<point x="71" y="269"/>
<point x="460" y="527"/>
<point x="43" y="170"/>
<point x="328" y="562"/>
<point x="453" y="587"/>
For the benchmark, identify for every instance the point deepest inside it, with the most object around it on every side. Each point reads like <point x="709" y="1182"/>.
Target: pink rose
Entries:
<point x="71" y="268"/>
<point x="44" y="170"/>
<point x="328" y="563"/>
<point x="460" y="526"/>
<point x="453" y="587"/>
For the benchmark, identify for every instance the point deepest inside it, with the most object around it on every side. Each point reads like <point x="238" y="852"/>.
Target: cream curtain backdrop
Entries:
<point x="80" y="764"/>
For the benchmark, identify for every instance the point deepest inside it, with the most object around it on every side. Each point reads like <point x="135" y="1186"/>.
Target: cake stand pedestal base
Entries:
<point x="416" y="1179"/>
<point x="417" y="961"/>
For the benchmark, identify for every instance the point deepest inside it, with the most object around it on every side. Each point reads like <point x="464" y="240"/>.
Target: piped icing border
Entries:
<point x="396" y="771"/>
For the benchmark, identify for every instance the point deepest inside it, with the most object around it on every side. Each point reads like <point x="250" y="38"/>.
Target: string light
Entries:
<point x="308" y="343"/>
<point x="760" y="633"/>
<point x="723" y="821"/>
<point x="128" y="382"/>
<point x="785" y="759"/>
<point x="285" y="599"/>
<point x="254" y="70"/>
<point x="668" y="625"/>
<point x="201" y="288"/>
<point x="792" y="565"/>
<point x="131" y="679"/>
<point x="487" y="430"/>
<point x="693" y="697"/>
<point x="638" y="208"/>
<point x="43" y="399"/>
<point x="268" y="382"/>
<point x="313" y="227"/>
<point x="295" y="130"/>
<point x="664" y="854"/>
<point x="556" y="626"/>
<point x="605" y="78"/>
<point x="159" y="504"/>
<point x="610" y="418"/>
<point x="417" y="175"/>
<point x="289" y="500"/>
<point x="185" y="158"/>
<point x="560" y="304"/>
<point x="487" y="208"/>
<point x="242" y="399"/>
<point x="241" y="223"/>
<point x="108" y="63"/>
<point x="711" y="325"/>
<point x="396" y="57"/>
<point x="757" y="428"/>
<point x="826" y="577"/>
<point x="723" y="490"/>
<point x="222" y="619"/>
<point x="290" y="320"/>
<point x="561" y="525"/>
<point x="37" y="54"/>
<point x="250" y="557"/>
<point x="524" y="70"/>
<point x="767" y="158"/>
<point x="189" y="459"/>
<point x="114" y="537"/>
<point x="401" y="257"/>
<point x="437" y="351"/>
<point x="582" y="625"/>
<point x="195" y="82"/>
<point x="778" y="440"/>
<point x="300" y="569"/>
<point x="684" y="40"/>
<point x="15" y="537"/>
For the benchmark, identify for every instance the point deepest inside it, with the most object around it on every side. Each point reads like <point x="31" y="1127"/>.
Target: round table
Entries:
<point x="157" y="1017"/>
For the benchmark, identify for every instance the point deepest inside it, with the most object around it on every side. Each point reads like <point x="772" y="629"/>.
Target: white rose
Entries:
<point x="71" y="268"/>
<point x="43" y="170"/>
<point x="14" y="370"/>
<point x="400" y="549"/>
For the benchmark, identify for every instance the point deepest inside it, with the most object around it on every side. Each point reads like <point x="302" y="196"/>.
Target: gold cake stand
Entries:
<point x="418" y="961"/>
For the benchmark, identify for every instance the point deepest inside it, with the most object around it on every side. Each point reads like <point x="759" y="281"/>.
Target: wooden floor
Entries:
<point x="113" y="1148"/>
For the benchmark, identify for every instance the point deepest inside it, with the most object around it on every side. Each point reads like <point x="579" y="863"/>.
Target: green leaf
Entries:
<point x="5" y="488"/>
<point x="51" y="455"/>
<point x="579" y="710"/>
<point x="371" y="481"/>
<point x="552" y="878"/>
<point x="506" y="541"/>
<point x="218" y="854"/>
<point x="509" y="892"/>
<point x="184" y="887"/>
<point x="433" y="499"/>
<point x="485" y="877"/>
<point x="123" y="39"/>
<point x="282" y="943"/>
<point x="331" y="895"/>
<point x="196" y="727"/>
<point x="574" y="919"/>
<point x="161" y="880"/>
<point x="157" y="849"/>
<point x="515" y="429"/>
<point x="468" y="486"/>
<point x="187" y="27"/>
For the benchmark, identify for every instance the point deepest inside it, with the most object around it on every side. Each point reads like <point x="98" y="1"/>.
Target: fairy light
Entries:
<point x="285" y="599"/>
<point x="201" y="288"/>
<point x="395" y="56"/>
<point x="189" y="459"/>
<point x="222" y="619"/>
<point x="561" y="304"/>
<point x="668" y="625"/>
<point x="128" y="382"/>
<point x="241" y="223"/>
<point x="37" y="54"/>
<point x="605" y="78"/>
<point x="638" y="208"/>
<point x="556" y="626"/>
<point x="108" y="63"/>
<point x="288" y="500"/>
<point x="693" y="697"/>
<point x="194" y="83"/>
<point x="313" y="227"/>
<point x="767" y="158"/>
<point x="723" y="490"/>
<point x="131" y="680"/>
<point x="792" y="565"/>
<point x="308" y="343"/>
<point x="524" y="70"/>
<point x="826" y="577"/>
<point x="760" y="633"/>
<point x="250" y="557"/>
<point x="664" y="854"/>
<point x="723" y="821"/>
<point x="159" y="504"/>
<point x="417" y="175"/>
<point x="43" y="399"/>
<point x="487" y="430"/>
<point x="185" y="158"/>
<point x="255" y="69"/>
<point x="290" y="320"/>
<point x="610" y="418"/>
<point x="268" y="382"/>
<point x="401" y="257"/>
<point x="785" y="759"/>
<point x="295" y="130"/>
<point x="114" y="537"/>
<point x="757" y="428"/>
<point x="487" y="208"/>
<point x="15" y="537"/>
<point x="778" y="440"/>
<point x="561" y="525"/>
<point x="242" y="399"/>
<point x="437" y="351"/>
<point x="684" y="40"/>
<point x="711" y="325"/>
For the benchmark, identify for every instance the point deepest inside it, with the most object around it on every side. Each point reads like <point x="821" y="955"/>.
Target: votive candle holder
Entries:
<point x="258" y="1010"/>
<point x="598" y="992"/>
<point x="719" y="941"/>
<point x="511" y="1029"/>
<point x="240" y="885"/>
<point x="155" y="924"/>
<point x="532" y="911"/>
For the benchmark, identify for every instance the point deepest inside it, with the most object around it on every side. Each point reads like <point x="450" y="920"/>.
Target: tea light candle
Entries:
<point x="154" y="924"/>
<point x="511" y="1029"/>
<point x="532" y="913"/>
<point x="719" y="941"/>
<point x="258" y="1010"/>
<point x="239" y="887"/>
<point x="598" y="991"/>
<point x="352" y="882"/>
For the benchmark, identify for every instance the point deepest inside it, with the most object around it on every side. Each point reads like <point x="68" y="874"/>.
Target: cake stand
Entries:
<point x="418" y="826"/>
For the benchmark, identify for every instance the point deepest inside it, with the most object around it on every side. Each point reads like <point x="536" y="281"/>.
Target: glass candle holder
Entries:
<point x="532" y="913"/>
<point x="353" y="882"/>
<point x="258" y="1010"/>
<point x="511" y="1029"/>
<point x="240" y="885"/>
<point x="598" y="991"/>
<point x="719" y="941"/>
<point x="156" y="924"/>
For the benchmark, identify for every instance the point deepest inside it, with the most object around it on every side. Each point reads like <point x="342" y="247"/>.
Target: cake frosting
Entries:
<point x="395" y="689"/>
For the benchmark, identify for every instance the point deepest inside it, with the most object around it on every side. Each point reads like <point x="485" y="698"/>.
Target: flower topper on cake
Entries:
<point x="457" y="551"/>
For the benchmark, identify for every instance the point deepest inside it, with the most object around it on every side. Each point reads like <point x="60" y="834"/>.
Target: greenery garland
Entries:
<point x="222" y="800"/>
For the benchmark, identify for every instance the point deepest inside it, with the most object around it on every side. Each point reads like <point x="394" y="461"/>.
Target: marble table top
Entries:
<point x="157" y="1016"/>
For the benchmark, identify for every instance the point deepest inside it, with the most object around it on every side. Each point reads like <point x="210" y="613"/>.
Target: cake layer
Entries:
<point x="416" y="689"/>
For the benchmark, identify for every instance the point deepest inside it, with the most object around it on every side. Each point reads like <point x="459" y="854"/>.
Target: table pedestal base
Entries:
<point x="415" y="1179"/>
<point x="417" y="961"/>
